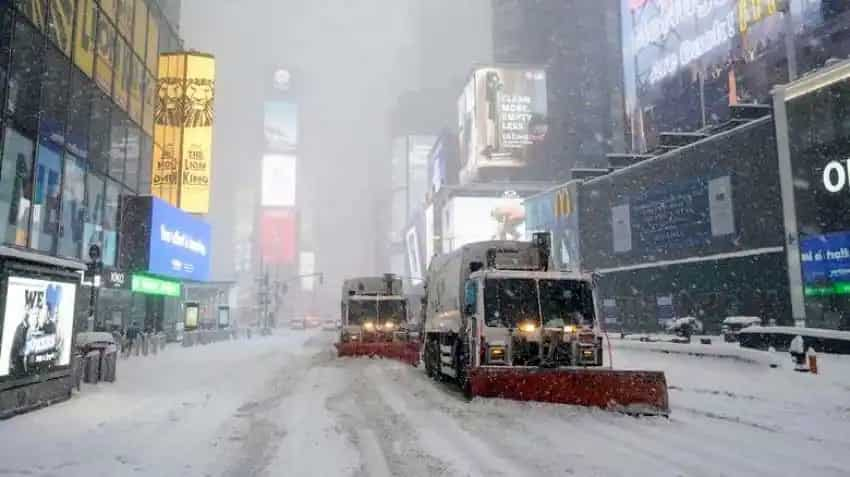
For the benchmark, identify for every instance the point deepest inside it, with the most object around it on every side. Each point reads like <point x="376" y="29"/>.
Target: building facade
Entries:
<point x="685" y="66"/>
<point x="78" y="94"/>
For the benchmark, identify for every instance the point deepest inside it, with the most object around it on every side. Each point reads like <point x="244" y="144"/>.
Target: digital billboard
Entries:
<point x="38" y="325"/>
<point x="180" y="245"/>
<point x="183" y="118"/>
<point x="686" y="62"/>
<point x="280" y="123"/>
<point x="277" y="236"/>
<point x="556" y="212"/>
<point x="502" y="116"/>
<point x="278" y="180"/>
<point x="474" y="219"/>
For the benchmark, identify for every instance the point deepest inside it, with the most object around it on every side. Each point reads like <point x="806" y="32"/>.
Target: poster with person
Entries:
<point x="37" y="326"/>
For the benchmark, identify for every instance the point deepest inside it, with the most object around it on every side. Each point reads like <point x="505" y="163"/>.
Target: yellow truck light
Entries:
<point x="527" y="327"/>
<point x="369" y="326"/>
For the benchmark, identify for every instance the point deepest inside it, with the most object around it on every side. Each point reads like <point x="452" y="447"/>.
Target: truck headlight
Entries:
<point x="389" y="325"/>
<point x="570" y="329"/>
<point x="369" y="326"/>
<point x="527" y="327"/>
<point x="497" y="353"/>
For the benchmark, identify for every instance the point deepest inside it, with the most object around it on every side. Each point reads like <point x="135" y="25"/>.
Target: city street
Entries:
<point x="285" y="405"/>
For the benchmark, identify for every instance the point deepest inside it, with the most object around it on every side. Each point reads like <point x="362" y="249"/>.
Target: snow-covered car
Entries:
<point x="687" y="325"/>
<point x="330" y="325"/>
<point x="732" y="325"/>
<point x="296" y="324"/>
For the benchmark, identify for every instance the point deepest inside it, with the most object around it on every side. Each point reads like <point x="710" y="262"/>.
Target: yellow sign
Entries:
<point x="197" y="133"/>
<point x="84" y="44"/>
<point x="61" y="23"/>
<point x="563" y="203"/>
<point x="751" y="12"/>
<point x="183" y="129"/>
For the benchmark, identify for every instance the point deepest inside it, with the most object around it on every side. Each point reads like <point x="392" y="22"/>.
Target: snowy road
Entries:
<point x="286" y="406"/>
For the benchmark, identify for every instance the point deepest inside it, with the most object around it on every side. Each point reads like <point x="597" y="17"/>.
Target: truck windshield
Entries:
<point x="378" y="311"/>
<point x="566" y="302"/>
<point x="510" y="301"/>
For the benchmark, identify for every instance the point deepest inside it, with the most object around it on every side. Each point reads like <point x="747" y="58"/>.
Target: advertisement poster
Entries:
<point x="278" y="180"/>
<point x="826" y="263"/>
<point x="277" y="236"/>
<point x="37" y="327"/>
<point x="475" y="219"/>
<point x="664" y="309"/>
<point x="414" y="260"/>
<point x="508" y="116"/>
<point x="556" y="212"/>
<point x="609" y="310"/>
<point x="198" y="100"/>
<point x="179" y="244"/>
<point x="622" y="228"/>
<point x="280" y="126"/>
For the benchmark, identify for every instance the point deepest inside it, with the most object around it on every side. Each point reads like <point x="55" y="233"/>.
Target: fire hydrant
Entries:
<point x="798" y="354"/>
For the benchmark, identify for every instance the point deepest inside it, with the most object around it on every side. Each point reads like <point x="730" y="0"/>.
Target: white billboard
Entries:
<point x="278" y="180"/>
<point x="476" y="219"/>
<point x="38" y="324"/>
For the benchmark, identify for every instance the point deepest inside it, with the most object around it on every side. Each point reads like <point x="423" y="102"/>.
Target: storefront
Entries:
<point x="813" y="132"/>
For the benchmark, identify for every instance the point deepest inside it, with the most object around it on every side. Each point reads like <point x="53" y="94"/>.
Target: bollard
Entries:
<point x="155" y="344"/>
<point x="162" y="340"/>
<point x="813" y="360"/>
<point x="145" y="344"/>
<point x="137" y="345"/>
<point x="798" y="354"/>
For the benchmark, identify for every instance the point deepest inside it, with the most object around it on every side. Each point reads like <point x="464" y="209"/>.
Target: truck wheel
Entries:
<point x="430" y="370"/>
<point x="462" y="367"/>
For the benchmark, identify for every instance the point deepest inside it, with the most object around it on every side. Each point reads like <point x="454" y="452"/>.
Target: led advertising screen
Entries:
<point x="179" y="244"/>
<point x="277" y="236"/>
<point x="475" y="219"/>
<point x="278" y="180"/>
<point x="556" y="212"/>
<point x="38" y="326"/>
<point x="280" y="124"/>
<point x="826" y="264"/>
<point x="502" y="117"/>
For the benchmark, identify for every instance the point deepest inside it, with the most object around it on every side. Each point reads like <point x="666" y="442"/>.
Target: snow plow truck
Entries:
<point x="374" y="317"/>
<point x="499" y="323"/>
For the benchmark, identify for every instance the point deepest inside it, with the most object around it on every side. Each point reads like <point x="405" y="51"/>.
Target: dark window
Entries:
<point x="145" y="165"/>
<point x="99" y="136"/>
<point x="16" y="187"/>
<point x="79" y="114"/>
<point x="104" y="69"/>
<point x="110" y="221"/>
<point x="25" y="76"/>
<point x="45" y="200"/>
<point x="5" y="48"/>
<point x="73" y="207"/>
<point x="131" y="166"/>
<point x="93" y="225"/>
<point x="118" y="145"/>
<point x="510" y="301"/>
<point x="55" y="92"/>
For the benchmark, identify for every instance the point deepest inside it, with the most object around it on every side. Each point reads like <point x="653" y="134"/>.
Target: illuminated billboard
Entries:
<point x="502" y="117"/>
<point x="474" y="219"/>
<point x="277" y="236"/>
<point x="278" y="180"/>
<point x="280" y="122"/>
<point x="183" y="129"/>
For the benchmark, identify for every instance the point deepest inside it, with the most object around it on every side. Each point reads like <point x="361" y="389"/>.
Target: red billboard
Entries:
<point x="277" y="236"/>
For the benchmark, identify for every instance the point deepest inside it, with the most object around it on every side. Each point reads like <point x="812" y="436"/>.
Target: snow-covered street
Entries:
<point x="285" y="405"/>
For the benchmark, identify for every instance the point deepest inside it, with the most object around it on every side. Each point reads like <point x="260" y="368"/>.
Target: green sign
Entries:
<point x="154" y="286"/>
<point x="838" y="288"/>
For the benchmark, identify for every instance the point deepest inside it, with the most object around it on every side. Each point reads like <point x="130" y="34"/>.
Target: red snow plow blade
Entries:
<point x="631" y="392"/>
<point x="407" y="352"/>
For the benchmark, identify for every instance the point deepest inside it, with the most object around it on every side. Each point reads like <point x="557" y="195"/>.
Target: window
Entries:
<point x="35" y="10"/>
<point x="131" y="166"/>
<point x="93" y="225"/>
<point x="140" y="28"/>
<point x="109" y="7"/>
<point x="110" y="222"/>
<point x="25" y="76"/>
<point x="145" y="165"/>
<point x="84" y="43"/>
<point x="105" y="54"/>
<point x="5" y="48"/>
<point x="149" y="100"/>
<point x="510" y="301"/>
<point x="45" y="200"/>
<point x="55" y="91"/>
<point x="16" y="187"/>
<point x="73" y="208"/>
<point x="152" y="58"/>
<point x="125" y="18"/>
<point x="121" y="88"/>
<point x="118" y="145"/>
<point x="99" y="138"/>
<point x="137" y="74"/>
<point x="60" y="23"/>
<point x="79" y="115"/>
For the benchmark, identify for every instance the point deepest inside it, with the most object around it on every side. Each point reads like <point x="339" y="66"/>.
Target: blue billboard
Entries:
<point x="180" y="244"/>
<point x="826" y="258"/>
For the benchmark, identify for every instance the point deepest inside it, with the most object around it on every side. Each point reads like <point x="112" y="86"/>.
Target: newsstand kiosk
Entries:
<point x="37" y="299"/>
